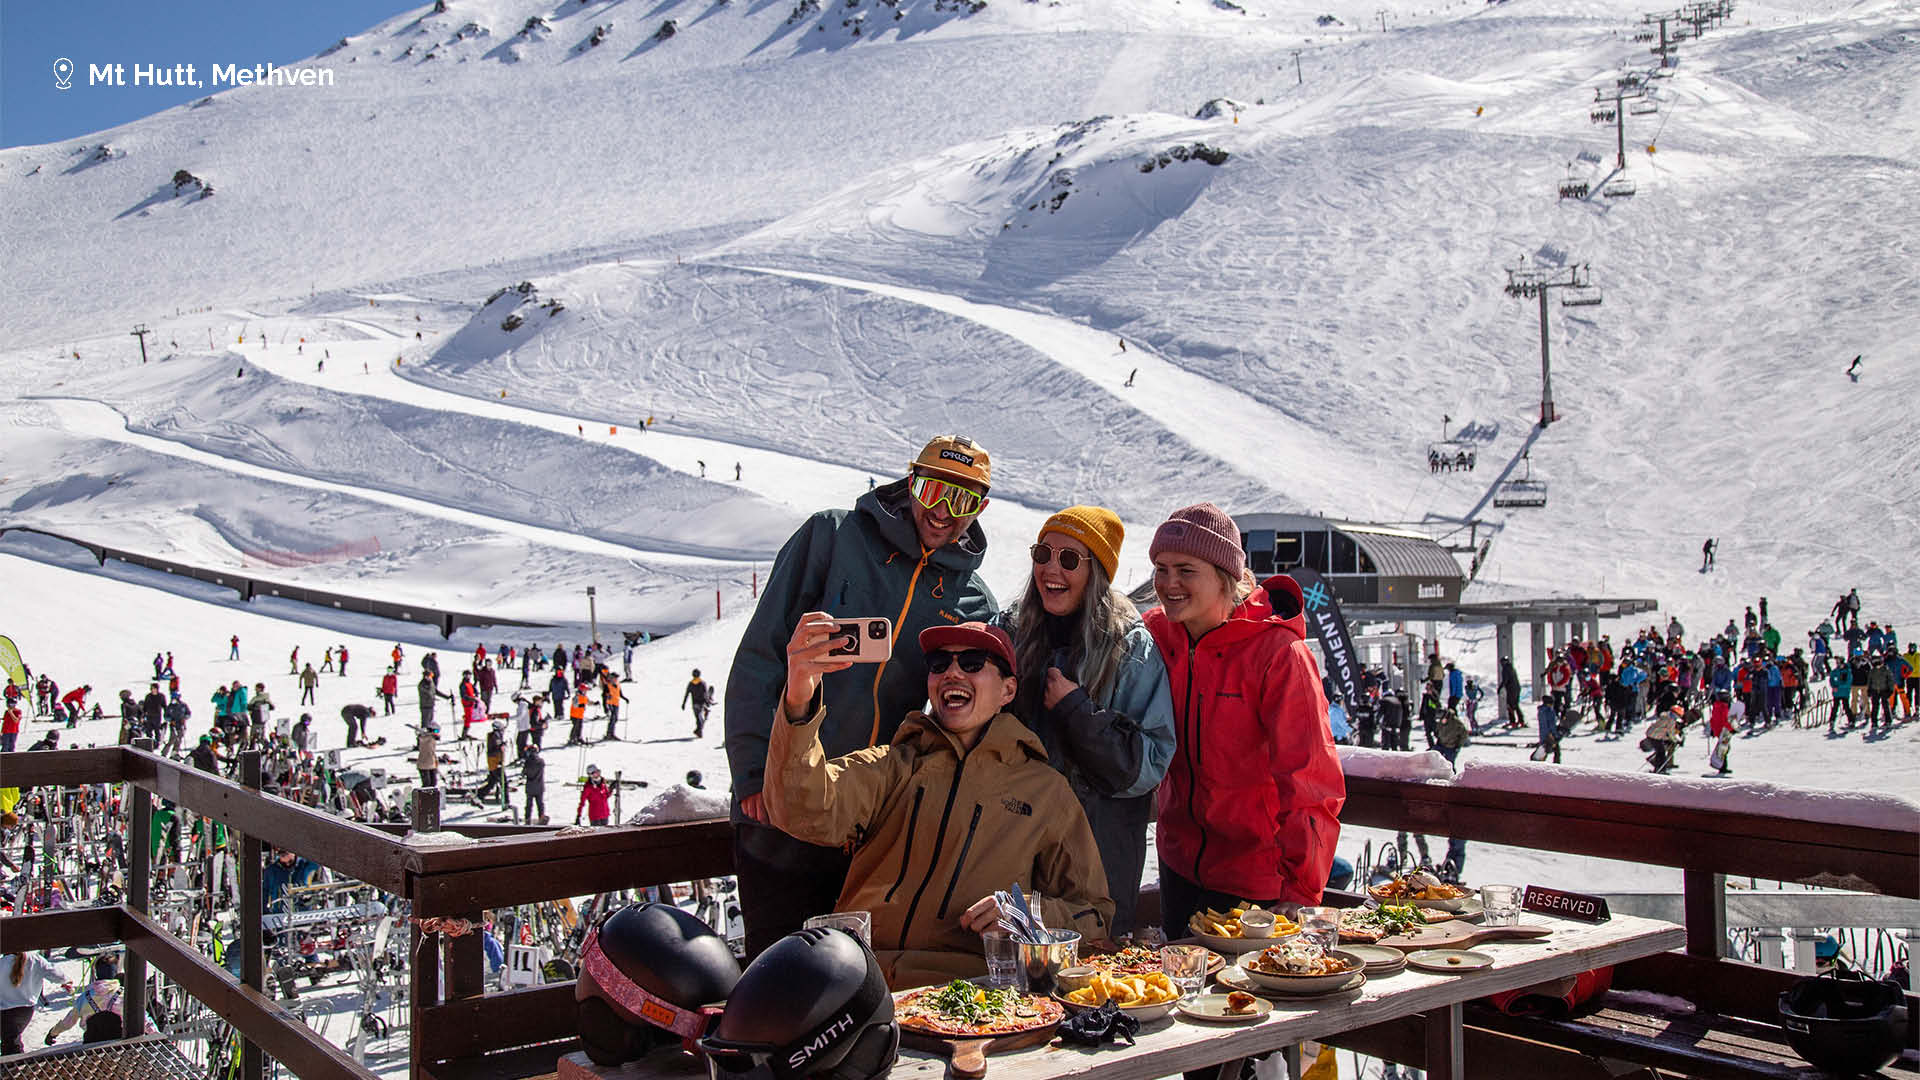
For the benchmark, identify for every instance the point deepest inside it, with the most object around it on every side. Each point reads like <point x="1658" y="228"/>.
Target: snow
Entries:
<point x="804" y="252"/>
<point x="1394" y="765"/>
<point x="1864" y="809"/>
<point x="681" y="803"/>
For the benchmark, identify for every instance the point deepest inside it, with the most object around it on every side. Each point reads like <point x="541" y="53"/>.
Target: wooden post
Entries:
<point x="139" y="804"/>
<point x="424" y="974"/>
<point x="252" y="957"/>
<point x="1704" y="895"/>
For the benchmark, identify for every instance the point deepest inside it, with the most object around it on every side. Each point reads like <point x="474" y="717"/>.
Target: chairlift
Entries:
<point x="1661" y="73"/>
<point x="1602" y="116"/>
<point x="1644" y="108"/>
<point x="1525" y="493"/>
<point x="1574" y="189"/>
<point x="1618" y="189"/>
<point x="1451" y="455"/>
<point x="1582" y="296"/>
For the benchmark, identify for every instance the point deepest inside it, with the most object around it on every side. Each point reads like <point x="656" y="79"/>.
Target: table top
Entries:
<point x="1174" y="1045"/>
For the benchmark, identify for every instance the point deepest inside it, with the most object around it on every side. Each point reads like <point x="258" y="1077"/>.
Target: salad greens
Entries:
<point x="963" y="1000"/>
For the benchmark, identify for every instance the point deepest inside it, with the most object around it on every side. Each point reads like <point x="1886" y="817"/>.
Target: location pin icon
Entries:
<point x="63" y="74"/>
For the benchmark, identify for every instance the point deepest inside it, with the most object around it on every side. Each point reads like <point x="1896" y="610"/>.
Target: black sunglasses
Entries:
<point x="971" y="660"/>
<point x="1042" y="555"/>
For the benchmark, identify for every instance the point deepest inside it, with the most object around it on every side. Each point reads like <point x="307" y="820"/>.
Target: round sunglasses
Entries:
<point x="1069" y="558"/>
<point x="971" y="660"/>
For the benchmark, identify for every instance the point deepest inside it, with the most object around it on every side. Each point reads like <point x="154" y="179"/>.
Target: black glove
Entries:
<point x="1098" y="1027"/>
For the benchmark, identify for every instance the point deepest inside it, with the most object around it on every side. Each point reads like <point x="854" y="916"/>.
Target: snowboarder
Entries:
<point x="703" y="468"/>
<point x="1123" y="348"/>
<point x="1130" y="376"/>
<point x="736" y="470"/>
<point x="1853" y="369"/>
<point x="1706" y="555"/>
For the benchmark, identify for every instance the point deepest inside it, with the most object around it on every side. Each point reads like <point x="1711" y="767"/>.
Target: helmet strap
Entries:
<point x="687" y="1023"/>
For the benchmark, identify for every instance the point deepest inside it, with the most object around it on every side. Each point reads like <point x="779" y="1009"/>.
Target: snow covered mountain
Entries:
<point x="805" y="237"/>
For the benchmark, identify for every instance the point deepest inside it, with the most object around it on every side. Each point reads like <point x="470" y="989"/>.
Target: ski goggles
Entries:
<point x="1069" y="558"/>
<point x="970" y="661"/>
<point x="962" y="502"/>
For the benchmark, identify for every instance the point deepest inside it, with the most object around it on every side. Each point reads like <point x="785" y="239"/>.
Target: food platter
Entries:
<point x="1422" y="888"/>
<point x="969" y="1050"/>
<point x="923" y="1012"/>
<point x="1143" y="997"/>
<point x="1336" y="970"/>
<point x="1137" y="960"/>
<point x="1233" y="977"/>
<point x="1206" y="926"/>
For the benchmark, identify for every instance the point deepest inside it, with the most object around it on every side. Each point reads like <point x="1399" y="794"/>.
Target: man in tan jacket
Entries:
<point x="960" y="804"/>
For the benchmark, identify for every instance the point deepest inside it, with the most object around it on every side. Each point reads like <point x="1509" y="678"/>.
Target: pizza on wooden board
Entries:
<point x="961" y="1010"/>
<point x="1131" y="960"/>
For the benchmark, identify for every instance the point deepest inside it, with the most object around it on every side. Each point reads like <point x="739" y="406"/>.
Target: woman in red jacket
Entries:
<point x="1249" y="810"/>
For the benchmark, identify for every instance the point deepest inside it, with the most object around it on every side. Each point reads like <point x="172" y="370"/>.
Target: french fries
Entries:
<point x="1126" y="991"/>
<point x="1227" y="923"/>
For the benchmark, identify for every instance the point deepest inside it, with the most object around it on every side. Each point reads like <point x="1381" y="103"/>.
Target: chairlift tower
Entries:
<point x="1528" y="283"/>
<point x="1669" y="42"/>
<point x="1611" y="109"/>
<point x="141" y="332"/>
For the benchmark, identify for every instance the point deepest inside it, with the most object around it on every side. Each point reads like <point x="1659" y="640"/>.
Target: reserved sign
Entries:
<point x="1565" y="905"/>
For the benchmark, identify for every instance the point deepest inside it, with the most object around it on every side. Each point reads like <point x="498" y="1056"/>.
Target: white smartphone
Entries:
<point x="863" y="641"/>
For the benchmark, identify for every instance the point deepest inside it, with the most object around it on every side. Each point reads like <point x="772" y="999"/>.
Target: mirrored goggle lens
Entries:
<point x="961" y="502"/>
<point x="971" y="660"/>
<point x="1042" y="555"/>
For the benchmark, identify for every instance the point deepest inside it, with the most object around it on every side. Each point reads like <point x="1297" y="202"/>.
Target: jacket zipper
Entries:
<point x="959" y="864"/>
<point x="873" y="737"/>
<point x="913" y="821"/>
<point x="939" y="841"/>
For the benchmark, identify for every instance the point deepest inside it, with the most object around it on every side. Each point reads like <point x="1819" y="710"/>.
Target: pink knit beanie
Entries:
<point x="1205" y="532"/>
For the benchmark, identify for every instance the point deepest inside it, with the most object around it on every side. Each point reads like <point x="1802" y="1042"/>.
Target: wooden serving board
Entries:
<point x="969" y="1056"/>
<point x="1458" y="934"/>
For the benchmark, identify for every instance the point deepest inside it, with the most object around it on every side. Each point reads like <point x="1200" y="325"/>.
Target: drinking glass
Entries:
<point x="1320" y="925"/>
<point x="1003" y="959"/>
<point x="1186" y="965"/>
<point x="1502" y="903"/>
<point x="857" y="923"/>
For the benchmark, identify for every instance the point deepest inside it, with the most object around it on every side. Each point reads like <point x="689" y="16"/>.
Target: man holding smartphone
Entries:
<point x="908" y="551"/>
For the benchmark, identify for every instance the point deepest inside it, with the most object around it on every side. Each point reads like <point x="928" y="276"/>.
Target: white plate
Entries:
<point x="1235" y="978"/>
<point x="1449" y="961"/>
<point x="1380" y="959"/>
<point x="1213" y="1007"/>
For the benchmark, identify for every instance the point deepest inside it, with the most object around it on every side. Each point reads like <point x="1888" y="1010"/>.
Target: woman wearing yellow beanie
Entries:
<point x="1094" y="688"/>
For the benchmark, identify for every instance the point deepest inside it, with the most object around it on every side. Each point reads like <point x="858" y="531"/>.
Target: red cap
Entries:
<point x="971" y="635"/>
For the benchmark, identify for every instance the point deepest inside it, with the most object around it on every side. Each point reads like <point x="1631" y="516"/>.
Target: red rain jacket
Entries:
<point x="1251" y="803"/>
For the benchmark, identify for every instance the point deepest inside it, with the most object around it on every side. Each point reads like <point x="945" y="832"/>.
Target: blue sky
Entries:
<point x="33" y="35"/>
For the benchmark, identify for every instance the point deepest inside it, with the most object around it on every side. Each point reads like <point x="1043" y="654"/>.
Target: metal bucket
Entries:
<point x="1040" y="964"/>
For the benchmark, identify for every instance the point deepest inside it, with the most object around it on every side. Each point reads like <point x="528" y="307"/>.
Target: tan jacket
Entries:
<point x="933" y="833"/>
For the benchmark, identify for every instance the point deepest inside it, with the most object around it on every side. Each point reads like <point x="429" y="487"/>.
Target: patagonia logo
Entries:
<point x="955" y="455"/>
<point x="1015" y="806"/>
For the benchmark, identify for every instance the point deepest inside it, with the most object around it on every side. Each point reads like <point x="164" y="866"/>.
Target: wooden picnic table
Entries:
<point x="1175" y="1045"/>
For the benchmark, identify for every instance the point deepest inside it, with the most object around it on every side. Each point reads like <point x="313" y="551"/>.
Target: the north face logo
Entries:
<point x="1174" y="530"/>
<point x="955" y="455"/>
<point x="1016" y="806"/>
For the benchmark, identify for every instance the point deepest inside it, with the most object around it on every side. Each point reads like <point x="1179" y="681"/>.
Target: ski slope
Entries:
<point x="803" y="250"/>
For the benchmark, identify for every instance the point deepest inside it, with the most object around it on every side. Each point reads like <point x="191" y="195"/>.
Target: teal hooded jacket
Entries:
<point x="859" y="563"/>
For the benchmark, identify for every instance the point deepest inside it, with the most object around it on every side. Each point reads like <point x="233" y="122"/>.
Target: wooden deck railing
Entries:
<point x="459" y="1030"/>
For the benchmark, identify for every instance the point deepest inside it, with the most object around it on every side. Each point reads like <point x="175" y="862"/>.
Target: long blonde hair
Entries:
<point x="1103" y="619"/>
<point x="19" y="968"/>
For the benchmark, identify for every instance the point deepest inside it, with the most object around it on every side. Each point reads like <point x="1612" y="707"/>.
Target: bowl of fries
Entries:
<point x="1143" y="997"/>
<point x="1222" y="931"/>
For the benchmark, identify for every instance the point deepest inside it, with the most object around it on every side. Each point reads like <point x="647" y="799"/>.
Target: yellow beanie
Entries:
<point x="1095" y="526"/>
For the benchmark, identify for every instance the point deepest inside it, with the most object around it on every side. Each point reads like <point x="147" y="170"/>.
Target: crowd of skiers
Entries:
<point x="1739" y="678"/>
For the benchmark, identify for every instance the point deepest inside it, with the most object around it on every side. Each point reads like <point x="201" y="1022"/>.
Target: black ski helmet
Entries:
<point x="841" y="1028"/>
<point x="1844" y="1026"/>
<point x="646" y="971"/>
